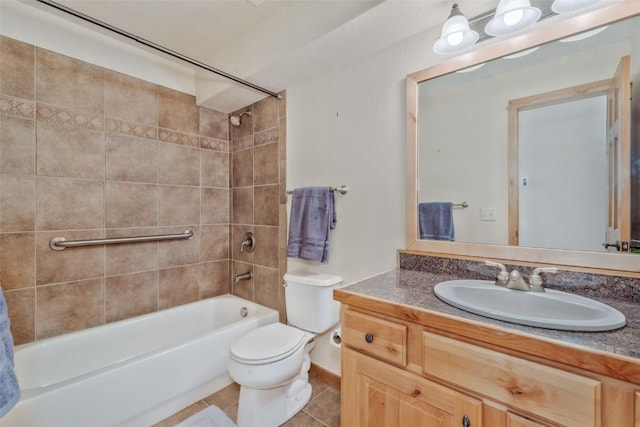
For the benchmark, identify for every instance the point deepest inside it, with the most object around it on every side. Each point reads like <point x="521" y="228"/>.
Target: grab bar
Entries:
<point x="60" y="243"/>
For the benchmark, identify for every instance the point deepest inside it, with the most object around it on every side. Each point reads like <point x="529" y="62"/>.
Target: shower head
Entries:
<point x="236" y="120"/>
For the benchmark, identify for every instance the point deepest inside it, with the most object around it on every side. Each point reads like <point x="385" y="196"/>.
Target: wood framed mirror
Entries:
<point x="510" y="244"/>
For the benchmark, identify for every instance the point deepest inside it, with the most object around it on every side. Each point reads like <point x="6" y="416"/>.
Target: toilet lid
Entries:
<point x="268" y="344"/>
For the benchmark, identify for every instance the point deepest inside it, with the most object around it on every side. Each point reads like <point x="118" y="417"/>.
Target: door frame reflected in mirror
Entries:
<point x="624" y="264"/>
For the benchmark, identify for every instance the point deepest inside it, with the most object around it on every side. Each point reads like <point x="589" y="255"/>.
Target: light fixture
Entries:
<point x="456" y="35"/>
<point x="511" y="17"/>
<point x="567" y="6"/>
<point x="584" y="35"/>
<point x="472" y="68"/>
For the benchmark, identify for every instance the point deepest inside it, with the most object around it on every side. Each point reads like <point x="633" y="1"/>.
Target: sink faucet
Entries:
<point x="514" y="280"/>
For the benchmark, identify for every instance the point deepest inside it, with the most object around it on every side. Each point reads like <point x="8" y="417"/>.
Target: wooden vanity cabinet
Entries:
<point x="398" y="372"/>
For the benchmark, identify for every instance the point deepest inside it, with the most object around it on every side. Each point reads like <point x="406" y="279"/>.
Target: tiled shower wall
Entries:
<point x="87" y="153"/>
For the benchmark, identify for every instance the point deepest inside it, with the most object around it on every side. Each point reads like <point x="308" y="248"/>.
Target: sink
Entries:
<point x="550" y="309"/>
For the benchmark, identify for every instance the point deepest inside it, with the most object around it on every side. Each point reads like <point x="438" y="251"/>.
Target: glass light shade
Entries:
<point x="521" y="53"/>
<point x="511" y="17"/>
<point x="567" y="6"/>
<point x="456" y="36"/>
<point x="584" y="35"/>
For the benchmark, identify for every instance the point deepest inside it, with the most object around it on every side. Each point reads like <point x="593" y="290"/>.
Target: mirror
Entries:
<point x="502" y="133"/>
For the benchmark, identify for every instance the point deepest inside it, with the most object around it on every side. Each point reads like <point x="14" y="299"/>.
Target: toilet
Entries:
<point x="271" y="363"/>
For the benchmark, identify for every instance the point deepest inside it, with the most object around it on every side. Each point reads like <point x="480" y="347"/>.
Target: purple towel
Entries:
<point x="436" y="220"/>
<point x="312" y="216"/>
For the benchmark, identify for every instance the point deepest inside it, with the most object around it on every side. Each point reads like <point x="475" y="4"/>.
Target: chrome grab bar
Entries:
<point x="60" y="243"/>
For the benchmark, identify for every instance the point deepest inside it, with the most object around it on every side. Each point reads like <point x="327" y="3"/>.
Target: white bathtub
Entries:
<point x="134" y="372"/>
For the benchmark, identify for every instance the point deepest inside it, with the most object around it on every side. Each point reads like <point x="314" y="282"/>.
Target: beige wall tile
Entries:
<point x="265" y="114"/>
<point x="178" y="165"/>
<point x="214" y="124"/>
<point x="70" y="151"/>
<point x="237" y="235"/>
<point x="214" y="279"/>
<point x="265" y="164"/>
<point x="130" y="99"/>
<point x="179" y="252"/>
<point x="267" y="286"/>
<point x="214" y="243"/>
<point x="282" y="183"/>
<point x="17" y="146"/>
<point x="242" y="168"/>
<point x="266" y="205"/>
<point x="69" y="82"/>
<point x="131" y="159"/>
<point x="243" y="288"/>
<point x="242" y="205"/>
<point x="214" y="206"/>
<point x="178" y="205"/>
<point x="266" y="253"/>
<point x="17" y="203"/>
<point x="21" y="306"/>
<point x="68" y="116"/>
<point x="215" y="169"/>
<point x="17" y="71"/>
<point x="179" y="285"/>
<point x="130" y="205"/>
<point x="69" y="264"/>
<point x="17" y="260"/>
<point x="268" y="136"/>
<point x="69" y="307"/>
<point x="131" y="295"/>
<point x="282" y="139"/>
<point x="131" y="258"/>
<point x="65" y="203"/>
<point x="177" y="110"/>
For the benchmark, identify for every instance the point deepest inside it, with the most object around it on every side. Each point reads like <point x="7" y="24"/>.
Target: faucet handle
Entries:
<point x="535" y="279"/>
<point x="503" y="275"/>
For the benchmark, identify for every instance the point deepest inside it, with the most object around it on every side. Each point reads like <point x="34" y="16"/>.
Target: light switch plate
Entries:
<point x="488" y="214"/>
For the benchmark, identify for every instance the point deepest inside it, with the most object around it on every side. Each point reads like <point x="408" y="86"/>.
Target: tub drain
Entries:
<point x="244" y="311"/>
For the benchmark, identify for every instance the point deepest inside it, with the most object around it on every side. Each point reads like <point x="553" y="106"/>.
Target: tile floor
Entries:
<point x="323" y="410"/>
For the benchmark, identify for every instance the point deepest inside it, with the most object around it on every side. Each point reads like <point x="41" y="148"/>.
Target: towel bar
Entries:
<point x="342" y="189"/>
<point x="60" y="243"/>
<point x="461" y="205"/>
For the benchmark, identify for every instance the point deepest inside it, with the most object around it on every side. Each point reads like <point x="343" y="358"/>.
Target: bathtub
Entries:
<point x="133" y="372"/>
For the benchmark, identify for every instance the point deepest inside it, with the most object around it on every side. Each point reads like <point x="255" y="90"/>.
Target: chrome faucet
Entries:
<point x="514" y="280"/>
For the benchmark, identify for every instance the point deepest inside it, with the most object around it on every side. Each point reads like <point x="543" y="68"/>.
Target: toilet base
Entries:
<point x="272" y="407"/>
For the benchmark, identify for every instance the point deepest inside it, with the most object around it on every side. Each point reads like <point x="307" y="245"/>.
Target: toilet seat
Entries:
<point x="268" y="344"/>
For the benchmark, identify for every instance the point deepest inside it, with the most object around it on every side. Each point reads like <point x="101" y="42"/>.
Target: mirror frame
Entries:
<point x="612" y="263"/>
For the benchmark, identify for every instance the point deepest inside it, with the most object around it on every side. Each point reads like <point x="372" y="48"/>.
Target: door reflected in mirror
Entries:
<point x="540" y="146"/>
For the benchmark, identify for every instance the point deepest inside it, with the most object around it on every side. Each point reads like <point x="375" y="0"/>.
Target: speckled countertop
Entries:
<point x="415" y="288"/>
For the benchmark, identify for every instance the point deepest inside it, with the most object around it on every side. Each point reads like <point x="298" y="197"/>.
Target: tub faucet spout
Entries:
<point x="244" y="276"/>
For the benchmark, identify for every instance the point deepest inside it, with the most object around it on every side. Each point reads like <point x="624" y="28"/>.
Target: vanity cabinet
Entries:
<point x="404" y="369"/>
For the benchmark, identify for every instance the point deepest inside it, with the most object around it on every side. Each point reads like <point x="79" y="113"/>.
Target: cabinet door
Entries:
<point x="379" y="395"/>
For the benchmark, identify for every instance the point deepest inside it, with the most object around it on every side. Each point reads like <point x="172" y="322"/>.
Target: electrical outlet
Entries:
<point x="488" y="214"/>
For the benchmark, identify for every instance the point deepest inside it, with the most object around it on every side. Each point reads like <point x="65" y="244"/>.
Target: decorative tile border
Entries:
<point x="133" y="129"/>
<point x="242" y="143"/>
<point x="587" y="284"/>
<point x="267" y="136"/>
<point x="214" y="144"/>
<point x="16" y="107"/>
<point x="64" y="116"/>
<point x="168" y="135"/>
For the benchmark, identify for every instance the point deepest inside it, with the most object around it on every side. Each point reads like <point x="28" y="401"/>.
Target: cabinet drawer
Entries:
<point x="380" y="338"/>
<point x="561" y="397"/>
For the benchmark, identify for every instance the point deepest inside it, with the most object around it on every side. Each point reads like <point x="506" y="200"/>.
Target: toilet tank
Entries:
<point x="309" y="299"/>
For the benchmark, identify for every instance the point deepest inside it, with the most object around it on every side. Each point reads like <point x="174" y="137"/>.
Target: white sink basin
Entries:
<point x="551" y="309"/>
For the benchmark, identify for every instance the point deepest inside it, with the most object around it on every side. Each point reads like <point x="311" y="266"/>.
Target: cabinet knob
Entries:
<point x="368" y="338"/>
<point x="466" y="422"/>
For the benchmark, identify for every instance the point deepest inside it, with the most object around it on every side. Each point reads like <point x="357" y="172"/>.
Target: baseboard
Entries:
<point x="328" y="377"/>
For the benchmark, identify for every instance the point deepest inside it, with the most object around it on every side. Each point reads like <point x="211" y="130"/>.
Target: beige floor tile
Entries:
<point x="326" y="407"/>
<point x="224" y="398"/>
<point x="302" y="419"/>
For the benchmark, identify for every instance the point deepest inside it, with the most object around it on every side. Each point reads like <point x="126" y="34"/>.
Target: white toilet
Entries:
<point x="271" y="363"/>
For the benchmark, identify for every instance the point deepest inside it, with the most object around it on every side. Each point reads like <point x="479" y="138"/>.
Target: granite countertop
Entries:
<point x="415" y="288"/>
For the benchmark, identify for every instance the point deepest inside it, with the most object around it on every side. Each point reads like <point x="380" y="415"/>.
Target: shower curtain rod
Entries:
<point x="157" y="46"/>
